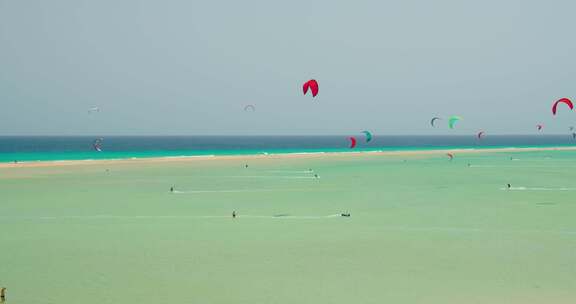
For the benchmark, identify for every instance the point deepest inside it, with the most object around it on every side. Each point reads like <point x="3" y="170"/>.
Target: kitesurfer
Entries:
<point x="509" y="186"/>
<point x="97" y="144"/>
<point x="233" y="214"/>
<point x="172" y="189"/>
<point x="3" y="294"/>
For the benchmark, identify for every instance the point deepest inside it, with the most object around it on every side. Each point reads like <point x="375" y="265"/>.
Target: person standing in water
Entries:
<point x="233" y="214"/>
<point x="172" y="189"/>
<point x="2" y="294"/>
<point x="509" y="186"/>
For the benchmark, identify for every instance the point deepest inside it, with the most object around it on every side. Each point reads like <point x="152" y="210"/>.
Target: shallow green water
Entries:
<point x="9" y="157"/>
<point x="424" y="230"/>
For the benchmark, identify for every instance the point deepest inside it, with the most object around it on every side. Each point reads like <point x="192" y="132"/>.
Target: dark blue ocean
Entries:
<point x="44" y="148"/>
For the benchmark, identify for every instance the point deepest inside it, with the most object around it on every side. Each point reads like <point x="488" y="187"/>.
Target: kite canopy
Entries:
<point x="567" y="101"/>
<point x="452" y="120"/>
<point x="540" y="127"/>
<point x="352" y="142"/>
<point x="480" y="135"/>
<point x="250" y="108"/>
<point x="312" y="85"/>
<point x="434" y="120"/>
<point x="368" y="136"/>
<point x="450" y="155"/>
<point x="93" y="109"/>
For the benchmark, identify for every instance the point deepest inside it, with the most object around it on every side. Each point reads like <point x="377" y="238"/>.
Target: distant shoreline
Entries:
<point x="287" y="155"/>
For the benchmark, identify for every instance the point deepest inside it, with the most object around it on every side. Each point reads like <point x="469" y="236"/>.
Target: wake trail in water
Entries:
<point x="273" y="176"/>
<point x="475" y="230"/>
<point x="290" y="171"/>
<point x="536" y="189"/>
<point x="241" y="191"/>
<point x="148" y="217"/>
<point x="508" y="166"/>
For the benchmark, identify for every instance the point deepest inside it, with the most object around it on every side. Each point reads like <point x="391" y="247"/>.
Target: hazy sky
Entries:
<point x="189" y="67"/>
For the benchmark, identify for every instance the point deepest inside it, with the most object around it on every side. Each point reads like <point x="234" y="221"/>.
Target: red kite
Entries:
<point x="312" y="85"/>
<point x="563" y="100"/>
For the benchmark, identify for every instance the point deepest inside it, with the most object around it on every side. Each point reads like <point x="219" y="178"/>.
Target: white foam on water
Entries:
<point x="189" y="156"/>
<point x="306" y="153"/>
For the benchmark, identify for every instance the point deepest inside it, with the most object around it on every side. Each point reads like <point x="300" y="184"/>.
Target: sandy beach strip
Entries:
<point x="292" y="155"/>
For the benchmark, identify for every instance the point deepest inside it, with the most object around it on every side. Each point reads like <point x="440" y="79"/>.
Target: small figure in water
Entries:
<point x="2" y="294"/>
<point x="316" y="175"/>
<point x="509" y="186"/>
<point x="469" y="165"/>
<point x="233" y="214"/>
<point x="172" y="189"/>
<point x="246" y="166"/>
